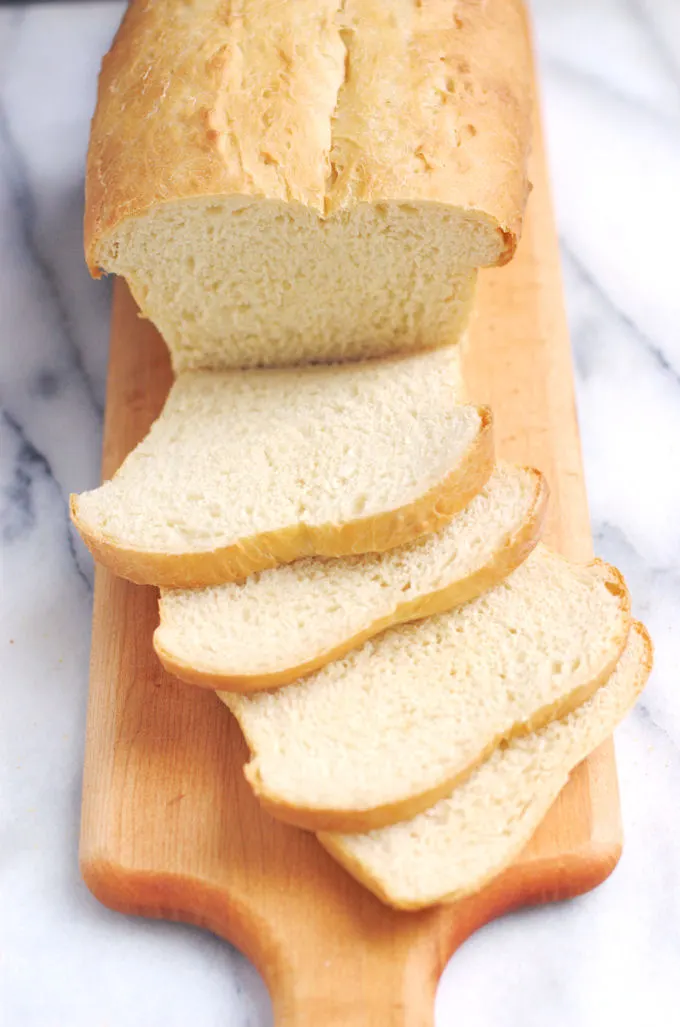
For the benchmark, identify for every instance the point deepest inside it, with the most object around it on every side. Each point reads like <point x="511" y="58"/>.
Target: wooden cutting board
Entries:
<point x="169" y="827"/>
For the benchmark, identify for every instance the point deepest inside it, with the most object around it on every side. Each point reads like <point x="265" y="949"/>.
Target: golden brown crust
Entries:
<point x="260" y="552"/>
<point x="361" y="820"/>
<point x="333" y="844"/>
<point x="514" y="551"/>
<point x="220" y="99"/>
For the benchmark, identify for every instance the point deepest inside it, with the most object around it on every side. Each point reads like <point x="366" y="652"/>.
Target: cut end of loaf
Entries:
<point x="345" y="172"/>
<point x="239" y="282"/>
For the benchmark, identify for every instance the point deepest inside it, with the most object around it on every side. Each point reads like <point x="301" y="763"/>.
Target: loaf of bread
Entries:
<point x="315" y="180"/>
<point x="383" y="733"/>
<point x="276" y="626"/>
<point x="244" y="470"/>
<point x="464" y="840"/>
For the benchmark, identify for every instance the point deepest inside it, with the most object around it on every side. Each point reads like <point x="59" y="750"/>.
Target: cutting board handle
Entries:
<point x="378" y="988"/>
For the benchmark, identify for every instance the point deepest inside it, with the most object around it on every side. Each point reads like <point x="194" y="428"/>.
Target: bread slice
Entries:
<point x="245" y="470"/>
<point x="463" y="841"/>
<point x="308" y="181"/>
<point x="287" y="622"/>
<point x="385" y="732"/>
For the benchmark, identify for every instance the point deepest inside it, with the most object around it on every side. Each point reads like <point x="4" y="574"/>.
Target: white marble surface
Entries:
<point x="611" y="85"/>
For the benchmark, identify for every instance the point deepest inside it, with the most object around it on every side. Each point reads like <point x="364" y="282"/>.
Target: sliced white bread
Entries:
<point x="385" y="732"/>
<point x="457" y="846"/>
<point x="287" y="622"/>
<point x="245" y="470"/>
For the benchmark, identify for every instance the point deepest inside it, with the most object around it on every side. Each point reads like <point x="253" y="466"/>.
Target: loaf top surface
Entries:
<point x="323" y="103"/>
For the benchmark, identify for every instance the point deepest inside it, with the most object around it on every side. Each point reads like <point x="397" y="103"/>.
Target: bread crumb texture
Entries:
<point x="249" y="469"/>
<point x="262" y="631"/>
<point x="464" y="840"/>
<point x="375" y="736"/>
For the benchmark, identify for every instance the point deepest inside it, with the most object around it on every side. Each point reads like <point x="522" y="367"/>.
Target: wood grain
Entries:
<point x="169" y="827"/>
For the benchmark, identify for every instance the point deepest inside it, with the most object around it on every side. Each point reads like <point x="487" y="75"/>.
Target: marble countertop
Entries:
<point x="611" y="91"/>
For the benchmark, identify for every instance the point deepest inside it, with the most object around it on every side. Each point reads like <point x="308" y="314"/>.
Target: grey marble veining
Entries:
<point x="611" y="90"/>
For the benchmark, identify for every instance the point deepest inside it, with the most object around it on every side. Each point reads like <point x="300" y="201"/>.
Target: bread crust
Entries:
<point x="387" y="530"/>
<point x="513" y="552"/>
<point x="360" y="820"/>
<point x="179" y="116"/>
<point x="358" y="870"/>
